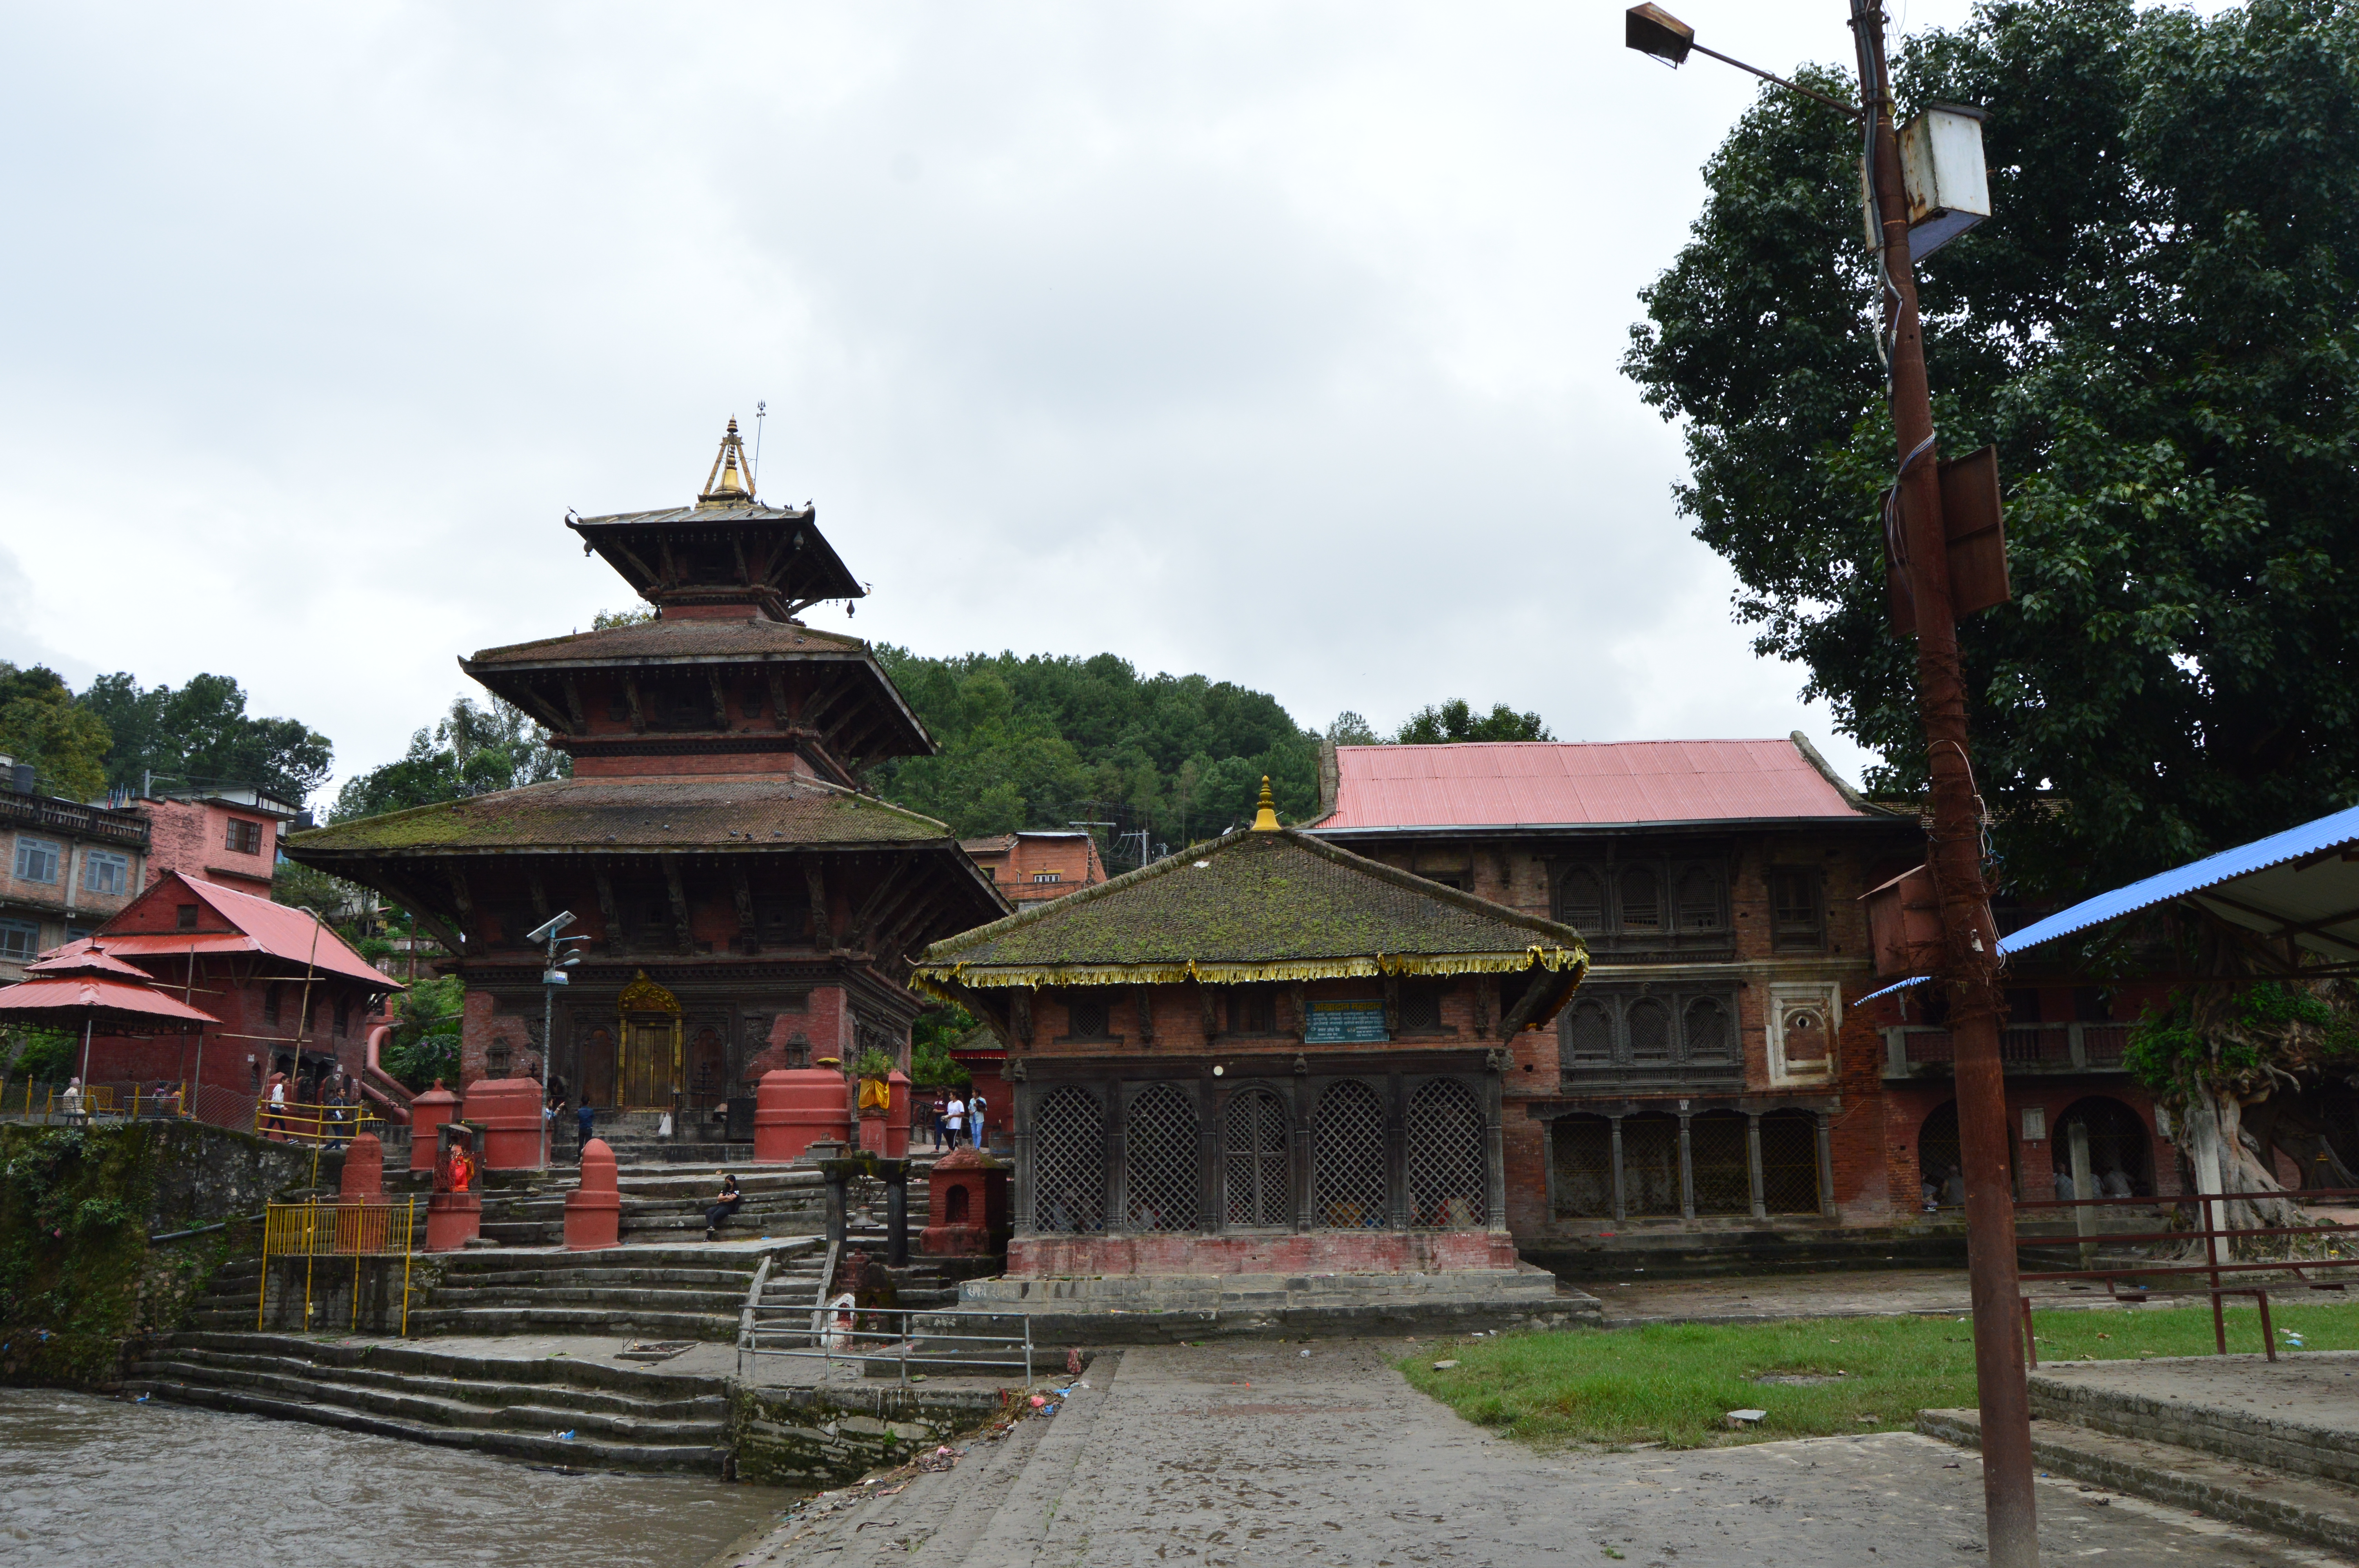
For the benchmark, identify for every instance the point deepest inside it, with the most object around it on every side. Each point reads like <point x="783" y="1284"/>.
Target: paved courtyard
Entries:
<point x="1252" y="1454"/>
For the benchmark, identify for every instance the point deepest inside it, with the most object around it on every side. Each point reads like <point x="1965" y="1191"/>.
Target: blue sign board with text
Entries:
<point x="1345" y="1022"/>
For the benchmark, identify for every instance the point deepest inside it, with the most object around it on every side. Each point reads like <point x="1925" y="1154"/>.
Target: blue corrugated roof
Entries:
<point x="2289" y="884"/>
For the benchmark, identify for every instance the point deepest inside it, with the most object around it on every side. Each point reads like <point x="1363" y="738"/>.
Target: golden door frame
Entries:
<point x="644" y="1001"/>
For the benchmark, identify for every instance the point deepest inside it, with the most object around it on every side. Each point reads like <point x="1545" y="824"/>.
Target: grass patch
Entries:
<point x="1673" y="1384"/>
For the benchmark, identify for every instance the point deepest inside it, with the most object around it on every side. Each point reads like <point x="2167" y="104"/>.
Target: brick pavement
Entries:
<point x="1253" y="1453"/>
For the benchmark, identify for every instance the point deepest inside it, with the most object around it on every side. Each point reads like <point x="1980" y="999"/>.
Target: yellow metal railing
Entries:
<point x="306" y="1122"/>
<point x="337" y="1230"/>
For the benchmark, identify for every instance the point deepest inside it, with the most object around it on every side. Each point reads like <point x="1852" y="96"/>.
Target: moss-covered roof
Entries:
<point x="667" y="812"/>
<point x="677" y="637"/>
<point x="1253" y="906"/>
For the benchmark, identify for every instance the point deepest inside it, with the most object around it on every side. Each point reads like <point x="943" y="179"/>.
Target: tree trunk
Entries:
<point x="2225" y="1160"/>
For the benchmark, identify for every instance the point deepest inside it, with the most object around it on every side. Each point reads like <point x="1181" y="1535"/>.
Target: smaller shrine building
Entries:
<point x="1266" y="1054"/>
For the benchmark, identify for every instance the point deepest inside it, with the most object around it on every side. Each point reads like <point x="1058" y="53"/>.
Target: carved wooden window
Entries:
<point x="1650" y="1164"/>
<point x="1252" y="1010"/>
<point x="1068" y="1162"/>
<point x="1421" y="1007"/>
<point x="1649" y="1025"/>
<point x="1087" y="1016"/>
<point x="1582" y="903"/>
<point x="245" y="838"/>
<point x="1797" y="921"/>
<point x="1448" y="1184"/>
<point x="1789" y="1161"/>
<point x="1582" y="1148"/>
<point x="1348" y="1188"/>
<point x="1161" y="1154"/>
<point x="1699" y="899"/>
<point x="1642" y="908"/>
<point x="1255" y="1160"/>
<point x="1665" y="1033"/>
<point x="1649" y="905"/>
<point x="1722" y="1164"/>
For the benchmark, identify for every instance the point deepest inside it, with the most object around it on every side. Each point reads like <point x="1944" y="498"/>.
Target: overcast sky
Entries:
<point x="1273" y="340"/>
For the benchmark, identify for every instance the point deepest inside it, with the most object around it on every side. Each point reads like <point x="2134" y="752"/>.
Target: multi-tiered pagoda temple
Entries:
<point x="747" y="905"/>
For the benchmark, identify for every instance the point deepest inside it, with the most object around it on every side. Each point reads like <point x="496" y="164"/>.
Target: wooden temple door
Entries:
<point x="649" y="1069"/>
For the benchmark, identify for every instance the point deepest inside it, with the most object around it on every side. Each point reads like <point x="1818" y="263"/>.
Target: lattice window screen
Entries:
<point x="1586" y="1038"/>
<point x="1348" y="1159"/>
<point x="1069" y="1162"/>
<point x="1789" y="1161"/>
<point x="1161" y="1149"/>
<point x="1447" y="1188"/>
<point x="1650" y="1164"/>
<point x="1650" y="1031"/>
<point x="1256" y="1159"/>
<point x="1709" y="1037"/>
<point x="1584" y="1149"/>
<point x="1724" y="1171"/>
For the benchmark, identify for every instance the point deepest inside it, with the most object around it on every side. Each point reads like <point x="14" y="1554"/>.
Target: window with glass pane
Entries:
<point x="36" y="860"/>
<point x="18" y="940"/>
<point x="245" y="838"/>
<point x="102" y="873"/>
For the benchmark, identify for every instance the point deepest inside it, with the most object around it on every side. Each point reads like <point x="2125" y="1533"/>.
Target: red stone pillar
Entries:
<point x="454" y="1213"/>
<point x="508" y="1110"/>
<point x="428" y="1112"/>
<point x="364" y="1177"/>
<point x="593" y="1211"/>
<point x="794" y="1107"/>
<point x="897" y="1117"/>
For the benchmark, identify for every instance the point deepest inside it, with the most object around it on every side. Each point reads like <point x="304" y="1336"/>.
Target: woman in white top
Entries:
<point x="954" y="1117"/>
<point x="70" y="1101"/>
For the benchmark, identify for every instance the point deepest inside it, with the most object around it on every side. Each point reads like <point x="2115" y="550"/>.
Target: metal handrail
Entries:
<point x="839" y="1341"/>
<point x="2212" y="1267"/>
<point x="745" y="1313"/>
<point x="357" y="1230"/>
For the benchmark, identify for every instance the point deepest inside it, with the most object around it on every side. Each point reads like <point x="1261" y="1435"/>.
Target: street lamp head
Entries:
<point x="1654" y="32"/>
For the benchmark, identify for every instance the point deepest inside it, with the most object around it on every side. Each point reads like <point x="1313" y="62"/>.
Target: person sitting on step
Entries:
<point x="725" y="1204"/>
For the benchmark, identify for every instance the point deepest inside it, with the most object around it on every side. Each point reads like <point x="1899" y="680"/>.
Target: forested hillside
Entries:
<point x="1042" y="741"/>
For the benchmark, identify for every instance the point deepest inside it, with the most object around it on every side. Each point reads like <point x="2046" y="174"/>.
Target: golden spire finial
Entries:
<point x="1265" y="813"/>
<point x="730" y="482"/>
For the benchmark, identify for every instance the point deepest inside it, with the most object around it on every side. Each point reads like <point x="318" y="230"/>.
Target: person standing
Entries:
<point x="586" y="1121"/>
<point x="939" y="1111"/>
<point x="975" y="1121"/>
<point x="954" y="1117"/>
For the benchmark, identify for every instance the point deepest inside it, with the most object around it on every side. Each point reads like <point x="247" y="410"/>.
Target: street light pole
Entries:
<point x="1918" y="537"/>
<point x="1969" y="961"/>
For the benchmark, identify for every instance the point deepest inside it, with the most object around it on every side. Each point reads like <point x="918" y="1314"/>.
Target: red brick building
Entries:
<point x="1037" y="864"/>
<point x="747" y="905"/>
<point x="1708" y="1077"/>
<point x="1266" y="1054"/>
<point x="289" y="995"/>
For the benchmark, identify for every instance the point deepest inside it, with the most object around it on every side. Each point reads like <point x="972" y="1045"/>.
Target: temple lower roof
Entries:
<point x="1256" y="904"/>
<point x="660" y="812"/>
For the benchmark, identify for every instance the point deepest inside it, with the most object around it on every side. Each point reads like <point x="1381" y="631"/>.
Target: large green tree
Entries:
<point x="40" y="724"/>
<point x="200" y="735"/>
<point x="1042" y="741"/>
<point x="2156" y="328"/>
<point x="474" y="749"/>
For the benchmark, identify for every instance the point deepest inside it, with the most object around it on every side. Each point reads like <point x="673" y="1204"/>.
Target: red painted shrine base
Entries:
<point x="1303" y="1252"/>
<point x="593" y="1211"/>
<point x="452" y="1219"/>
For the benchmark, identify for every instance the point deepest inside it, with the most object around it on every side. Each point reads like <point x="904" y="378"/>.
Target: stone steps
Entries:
<point x="2303" y="1508"/>
<point x="619" y="1418"/>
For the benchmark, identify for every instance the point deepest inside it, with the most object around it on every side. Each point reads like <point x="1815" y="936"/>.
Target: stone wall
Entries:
<point x="828" y="1436"/>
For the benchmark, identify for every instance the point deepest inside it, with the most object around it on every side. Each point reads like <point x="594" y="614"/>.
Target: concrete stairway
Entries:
<point x="618" y="1418"/>
<point x="658" y="1293"/>
<point x="528" y="1209"/>
<point x="2274" y="1445"/>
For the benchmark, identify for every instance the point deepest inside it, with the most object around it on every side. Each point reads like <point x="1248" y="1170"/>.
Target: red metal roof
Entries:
<point x="82" y="956"/>
<point x="262" y="927"/>
<point x="56" y="1001"/>
<point x="1550" y="784"/>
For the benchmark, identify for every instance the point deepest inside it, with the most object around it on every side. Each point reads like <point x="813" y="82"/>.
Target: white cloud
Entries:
<point x="1276" y="342"/>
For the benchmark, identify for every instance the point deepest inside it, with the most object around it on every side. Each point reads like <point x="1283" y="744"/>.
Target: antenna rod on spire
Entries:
<point x="754" y="475"/>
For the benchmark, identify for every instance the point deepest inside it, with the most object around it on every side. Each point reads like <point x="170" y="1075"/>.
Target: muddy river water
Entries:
<point x="85" y="1480"/>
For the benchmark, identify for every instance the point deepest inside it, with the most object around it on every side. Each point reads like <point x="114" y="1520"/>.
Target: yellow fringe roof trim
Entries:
<point x="934" y="979"/>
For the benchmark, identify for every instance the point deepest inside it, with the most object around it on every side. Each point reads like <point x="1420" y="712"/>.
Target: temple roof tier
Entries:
<point x="652" y="813"/>
<point x="1257" y="904"/>
<point x="804" y="682"/>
